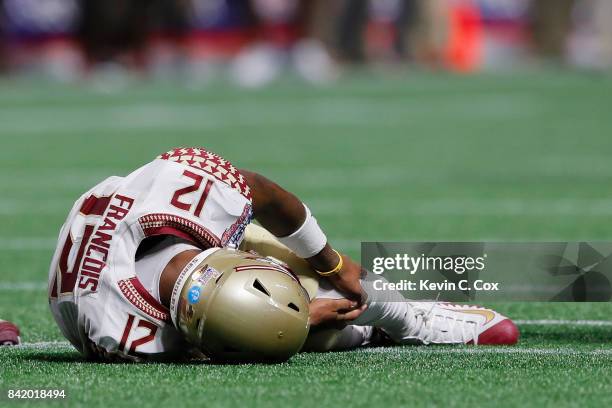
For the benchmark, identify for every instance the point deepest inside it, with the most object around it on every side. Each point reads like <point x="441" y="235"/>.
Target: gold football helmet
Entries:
<point x="237" y="306"/>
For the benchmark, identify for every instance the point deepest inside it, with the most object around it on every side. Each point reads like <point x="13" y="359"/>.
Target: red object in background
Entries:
<point x="9" y="334"/>
<point x="216" y="44"/>
<point x="464" y="52"/>
<point x="280" y="34"/>
<point x="380" y="37"/>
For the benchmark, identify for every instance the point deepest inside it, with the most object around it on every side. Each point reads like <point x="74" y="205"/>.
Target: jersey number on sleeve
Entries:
<point x="196" y="180"/>
<point x="125" y="338"/>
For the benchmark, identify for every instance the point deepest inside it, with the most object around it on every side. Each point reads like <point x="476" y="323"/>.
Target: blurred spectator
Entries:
<point x="351" y="30"/>
<point x="590" y="44"/>
<point x="289" y="33"/>
<point x="417" y="30"/>
<point x="120" y="30"/>
<point x="551" y="23"/>
<point x="262" y="39"/>
<point x="3" y="36"/>
<point x="603" y="30"/>
<point x="115" y="30"/>
<point x="431" y="31"/>
<point x="37" y="36"/>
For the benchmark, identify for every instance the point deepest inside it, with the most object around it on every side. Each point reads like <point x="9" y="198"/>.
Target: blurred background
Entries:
<point x="394" y="120"/>
<point x="254" y="42"/>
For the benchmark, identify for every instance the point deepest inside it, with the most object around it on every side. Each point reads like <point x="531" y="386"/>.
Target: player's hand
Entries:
<point x="348" y="279"/>
<point x="334" y="310"/>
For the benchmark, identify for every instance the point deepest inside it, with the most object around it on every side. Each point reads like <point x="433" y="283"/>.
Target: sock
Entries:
<point x="387" y="310"/>
<point x="349" y="337"/>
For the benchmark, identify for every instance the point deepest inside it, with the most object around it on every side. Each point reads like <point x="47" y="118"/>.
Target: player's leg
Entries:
<point x="390" y="315"/>
<point x="410" y="322"/>
<point x="404" y="321"/>
<point x="261" y="241"/>
<point x="337" y="339"/>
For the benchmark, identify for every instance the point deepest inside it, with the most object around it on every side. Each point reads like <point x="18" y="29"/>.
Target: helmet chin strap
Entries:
<point x="187" y="271"/>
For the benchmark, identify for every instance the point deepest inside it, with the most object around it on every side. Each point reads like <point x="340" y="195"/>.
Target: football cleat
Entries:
<point x="9" y="334"/>
<point x="448" y="323"/>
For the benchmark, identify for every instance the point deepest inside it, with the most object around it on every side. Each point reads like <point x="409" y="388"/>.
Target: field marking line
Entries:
<point x="27" y="243"/>
<point x="43" y="345"/>
<point x="22" y="286"/>
<point x="488" y="350"/>
<point x="510" y="206"/>
<point x="423" y="207"/>
<point x="327" y="111"/>
<point x="552" y="322"/>
<point x="49" y="243"/>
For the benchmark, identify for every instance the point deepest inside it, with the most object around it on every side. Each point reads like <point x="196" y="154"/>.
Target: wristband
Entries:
<point x="308" y="240"/>
<point x="337" y="269"/>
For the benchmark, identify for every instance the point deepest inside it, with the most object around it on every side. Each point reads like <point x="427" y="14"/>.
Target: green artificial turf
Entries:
<point x="422" y="157"/>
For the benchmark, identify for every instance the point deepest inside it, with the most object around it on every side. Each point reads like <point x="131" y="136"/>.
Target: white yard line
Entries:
<point x="550" y="322"/>
<point x="511" y="206"/>
<point x="24" y="207"/>
<point x="462" y="207"/>
<point x="487" y="350"/>
<point x="48" y="345"/>
<point x="22" y="286"/>
<point x="221" y="114"/>
<point x="45" y="345"/>
<point x="335" y="207"/>
<point x="27" y="243"/>
<point x="48" y="243"/>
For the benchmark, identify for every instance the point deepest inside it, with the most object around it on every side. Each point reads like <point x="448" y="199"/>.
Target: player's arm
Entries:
<point x="285" y="216"/>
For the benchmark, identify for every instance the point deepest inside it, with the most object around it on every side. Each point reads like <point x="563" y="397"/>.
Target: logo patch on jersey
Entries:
<point x="194" y="295"/>
<point x="234" y="233"/>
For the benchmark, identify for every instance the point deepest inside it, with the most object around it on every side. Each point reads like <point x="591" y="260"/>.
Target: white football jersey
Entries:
<point x="94" y="294"/>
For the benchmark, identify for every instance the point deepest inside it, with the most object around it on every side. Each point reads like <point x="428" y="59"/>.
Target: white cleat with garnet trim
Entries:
<point x="449" y="323"/>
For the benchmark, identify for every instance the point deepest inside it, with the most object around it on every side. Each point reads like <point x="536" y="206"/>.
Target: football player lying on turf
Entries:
<point x="147" y="266"/>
